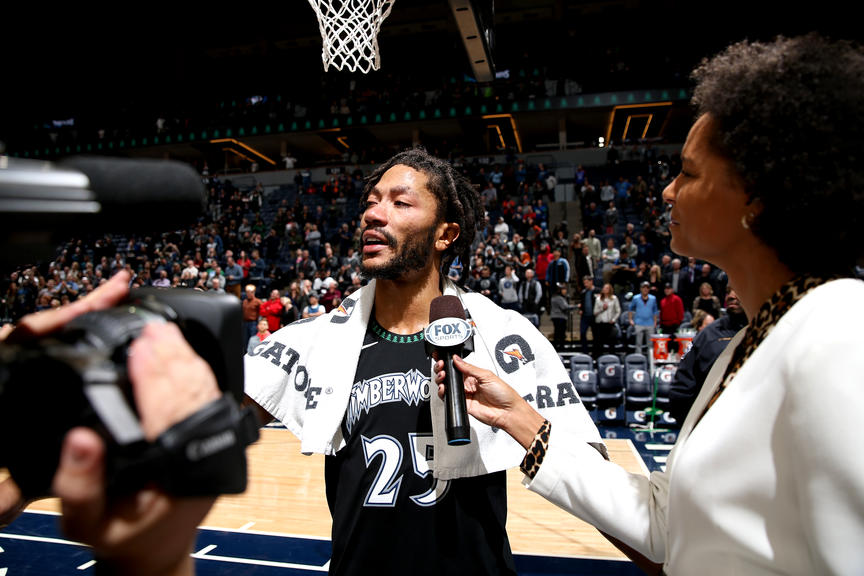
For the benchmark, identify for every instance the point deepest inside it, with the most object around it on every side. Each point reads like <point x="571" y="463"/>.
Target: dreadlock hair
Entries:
<point x="458" y="200"/>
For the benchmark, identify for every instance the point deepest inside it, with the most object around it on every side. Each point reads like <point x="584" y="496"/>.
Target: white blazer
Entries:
<point x="770" y="481"/>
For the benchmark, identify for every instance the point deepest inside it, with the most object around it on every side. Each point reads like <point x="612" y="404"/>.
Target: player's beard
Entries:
<point x="411" y="254"/>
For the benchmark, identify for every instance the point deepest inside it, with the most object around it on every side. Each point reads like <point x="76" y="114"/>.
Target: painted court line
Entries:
<point x="40" y="539"/>
<point x="272" y="564"/>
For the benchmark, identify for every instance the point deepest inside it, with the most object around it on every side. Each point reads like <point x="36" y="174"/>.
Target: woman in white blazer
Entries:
<point x="767" y="476"/>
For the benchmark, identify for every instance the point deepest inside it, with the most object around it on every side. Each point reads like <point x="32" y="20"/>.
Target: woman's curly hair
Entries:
<point x="790" y="115"/>
<point x="458" y="199"/>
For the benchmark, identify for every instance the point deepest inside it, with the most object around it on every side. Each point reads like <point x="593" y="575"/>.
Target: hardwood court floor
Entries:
<point x="286" y="496"/>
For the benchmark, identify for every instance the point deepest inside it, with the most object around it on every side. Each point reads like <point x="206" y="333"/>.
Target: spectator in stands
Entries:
<point x="542" y="212"/>
<point x="595" y="248"/>
<point x="701" y="319"/>
<point x="707" y="301"/>
<point x="290" y="313"/>
<point x="489" y="195"/>
<point x="671" y="311"/>
<point x="607" y="310"/>
<point x="233" y="276"/>
<point x="593" y="217"/>
<point x="584" y="265"/>
<point x="508" y="289"/>
<point x="271" y="309"/>
<point x="216" y="286"/>
<point x="622" y="190"/>
<point x="243" y="261"/>
<point x="677" y="278"/>
<point x="589" y="194"/>
<point x="313" y="241"/>
<point x="531" y="297"/>
<point x="189" y="274"/>
<point x="485" y="284"/>
<point x="623" y="273"/>
<point x="332" y="295"/>
<point x="330" y="260"/>
<point x="262" y="333"/>
<point x="272" y="244"/>
<point x="251" y="307"/>
<point x="644" y="250"/>
<point x="558" y="271"/>
<point x="257" y="267"/>
<point x="306" y="266"/>
<point x="586" y="318"/>
<point x="610" y="218"/>
<point x="629" y="248"/>
<point x="541" y="262"/>
<point x="665" y="264"/>
<point x="704" y="274"/>
<point x="574" y="248"/>
<point x="607" y="193"/>
<point x="313" y="309"/>
<point x="655" y="279"/>
<point x="345" y="239"/>
<point x="608" y="258"/>
<point x="502" y="230"/>
<point x="690" y="289"/>
<point x="643" y="316"/>
<point x="550" y="181"/>
<point x="559" y="313"/>
<point x="706" y="347"/>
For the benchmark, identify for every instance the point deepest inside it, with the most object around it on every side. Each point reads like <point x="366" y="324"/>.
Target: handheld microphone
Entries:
<point x="449" y="333"/>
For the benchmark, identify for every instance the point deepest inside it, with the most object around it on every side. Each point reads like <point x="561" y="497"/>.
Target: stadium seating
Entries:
<point x="663" y="377"/>
<point x="610" y="389"/>
<point x="584" y="378"/>
<point x="639" y="393"/>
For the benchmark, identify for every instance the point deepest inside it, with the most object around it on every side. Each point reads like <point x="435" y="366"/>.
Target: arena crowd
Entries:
<point x="294" y="252"/>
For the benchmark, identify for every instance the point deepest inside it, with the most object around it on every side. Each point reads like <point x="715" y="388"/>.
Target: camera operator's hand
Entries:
<point x="171" y="382"/>
<point x="148" y="532"/>
<point x="40" y="324"/>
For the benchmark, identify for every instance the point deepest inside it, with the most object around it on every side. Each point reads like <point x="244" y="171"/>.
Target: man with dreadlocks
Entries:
<point x="355" y="385"/>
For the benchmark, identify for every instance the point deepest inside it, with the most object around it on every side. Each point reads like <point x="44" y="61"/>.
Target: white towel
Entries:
<point x="303" y="375"/>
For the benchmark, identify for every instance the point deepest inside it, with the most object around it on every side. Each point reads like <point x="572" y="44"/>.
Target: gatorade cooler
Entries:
<point x="660" y="343"/>
<point x="685" y="342"/>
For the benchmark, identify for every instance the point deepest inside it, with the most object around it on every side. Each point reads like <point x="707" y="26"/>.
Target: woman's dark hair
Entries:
<point x="790" y="115"/>
<point x="458" y="200"/>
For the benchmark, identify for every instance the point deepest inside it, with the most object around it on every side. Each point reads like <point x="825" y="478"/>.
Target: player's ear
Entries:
<point x="445" y="235"/>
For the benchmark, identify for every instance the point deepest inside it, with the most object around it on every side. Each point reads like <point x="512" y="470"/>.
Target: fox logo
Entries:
<point x="513" y="352"/>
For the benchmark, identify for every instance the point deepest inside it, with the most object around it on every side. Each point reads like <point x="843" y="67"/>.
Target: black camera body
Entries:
<point x="77" y="377"/>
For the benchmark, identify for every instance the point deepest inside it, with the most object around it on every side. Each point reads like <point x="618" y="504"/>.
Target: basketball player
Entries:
<point x="355" y="385"/>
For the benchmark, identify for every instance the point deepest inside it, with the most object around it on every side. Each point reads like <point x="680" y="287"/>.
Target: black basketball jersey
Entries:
<point x="390" y="516"/>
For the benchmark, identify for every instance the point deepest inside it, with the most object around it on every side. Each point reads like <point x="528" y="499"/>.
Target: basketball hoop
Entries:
<point x="349" y="29"/>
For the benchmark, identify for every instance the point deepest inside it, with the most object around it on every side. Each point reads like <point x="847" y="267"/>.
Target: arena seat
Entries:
<point x="663" y="377"/>
<point x="610" y="389"/>
<point x="584" y="378"/>
<point x="639" y="393"/>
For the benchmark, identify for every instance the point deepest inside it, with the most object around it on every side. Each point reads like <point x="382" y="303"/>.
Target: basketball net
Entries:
<point x="349" y="29"/>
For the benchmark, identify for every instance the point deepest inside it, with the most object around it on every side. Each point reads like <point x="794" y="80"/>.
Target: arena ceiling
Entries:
<point x="63" y="62"/>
